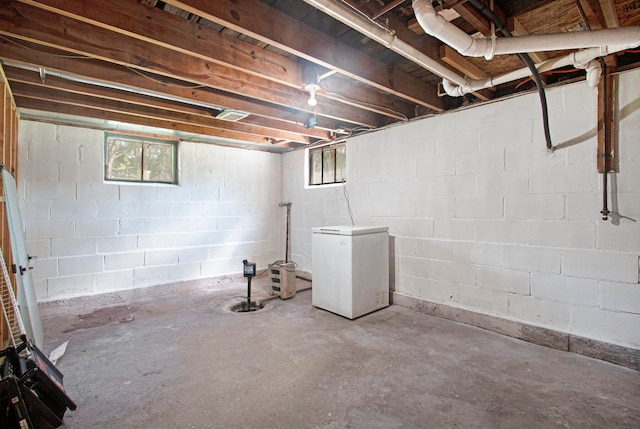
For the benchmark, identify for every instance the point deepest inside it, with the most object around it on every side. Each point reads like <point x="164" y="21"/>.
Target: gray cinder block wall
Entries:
<point x="91" y="237"/>
<point x="482" y="218"/>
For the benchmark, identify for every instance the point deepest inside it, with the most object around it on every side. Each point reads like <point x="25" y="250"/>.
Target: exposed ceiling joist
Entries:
<point x="99" y="113"/>
<point x="176" y="63"/>
<point x="115" y="75"/>
<point x="79" y="94"/>
<point x="306" y="42"/>
<point x="172" y="32"/>
<point x="30" y="23"/>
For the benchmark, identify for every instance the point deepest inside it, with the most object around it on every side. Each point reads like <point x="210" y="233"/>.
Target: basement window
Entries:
<point x="140" y="159"/>
<point x="328" y="164"/>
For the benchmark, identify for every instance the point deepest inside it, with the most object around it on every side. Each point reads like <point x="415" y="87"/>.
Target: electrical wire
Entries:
<point x="549" y="72"/>
<point x="84" y="57"/>
<point x="482" y="8"/>
<point x="364" y="103"/>
<point x="346" y="197"/>
<point x="161" y="82"/>
<point x="367" y="17"/>
<point x="51" y="54"/>
<point x="278" y="262"/>
<point x="344" y="188"/>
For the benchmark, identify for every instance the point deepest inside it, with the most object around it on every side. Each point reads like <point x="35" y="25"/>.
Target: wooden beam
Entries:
<point x="170" y="31"/>
<point x="17" y="75"/>
<point x="592" y="16"/>
<point x="387" y="8"/>
<point x="113" y="74"/>
<point x="450" y="56"/>
<point x="457" y="61"/>
<point x="607" y="89"/>
<point x="147" y="108"/>
<point x="164" y="29"/>
<point x="475" y="18"/>
<point x="99" y="113"/>
<point x="516" y="28"/>
<point x="297" y="38"/>
<point x="26" y="22"/>
<point x="610" y="14"/>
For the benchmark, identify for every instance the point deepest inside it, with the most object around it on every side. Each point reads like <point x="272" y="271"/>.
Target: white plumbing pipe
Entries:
<point x="453" y="83"/>
<point x="629" y="36"/>
<point x="594" y="72"/>
<point x="436" y="26"/>
<point x="359" y="23"/>
<point x="581" y="59"/>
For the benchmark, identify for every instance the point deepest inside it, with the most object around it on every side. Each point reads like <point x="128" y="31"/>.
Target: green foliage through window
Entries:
<point x="328" y="164"/>
<point x="133" y="159"/>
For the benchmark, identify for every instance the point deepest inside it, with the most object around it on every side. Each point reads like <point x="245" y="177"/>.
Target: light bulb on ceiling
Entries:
<point x="312" y="88"/>
<point x="313" y="101"/>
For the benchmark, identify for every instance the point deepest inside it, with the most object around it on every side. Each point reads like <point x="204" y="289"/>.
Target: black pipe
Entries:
<point x="605" y="209"/>
<point x="500" y="27"/>
<point x="248" y="293"/>
<point x="605" y="134"/>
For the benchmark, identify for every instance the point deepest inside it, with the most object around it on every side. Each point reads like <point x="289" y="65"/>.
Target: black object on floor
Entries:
<point x="31" y="389"/>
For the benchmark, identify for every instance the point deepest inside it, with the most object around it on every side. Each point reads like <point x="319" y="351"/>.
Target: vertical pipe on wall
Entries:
<point x="286" y="249"/>
<point x="605" y="152"/>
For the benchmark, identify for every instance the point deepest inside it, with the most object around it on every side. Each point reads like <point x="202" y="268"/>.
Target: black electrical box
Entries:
<point x="249" y="268"/>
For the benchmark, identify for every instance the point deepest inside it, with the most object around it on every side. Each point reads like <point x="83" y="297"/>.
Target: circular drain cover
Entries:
<point x="242" y="307"/>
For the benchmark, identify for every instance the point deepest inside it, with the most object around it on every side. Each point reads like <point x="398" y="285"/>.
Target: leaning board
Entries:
<point x="27" y="302"/>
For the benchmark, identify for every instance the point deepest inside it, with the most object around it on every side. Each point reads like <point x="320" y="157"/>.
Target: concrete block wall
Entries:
<point x="482" y="218"/>
<point x="92" y="237"/>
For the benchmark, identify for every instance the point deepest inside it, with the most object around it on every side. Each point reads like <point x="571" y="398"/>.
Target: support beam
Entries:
<point x="170" y="31"/>
<point x="297" y="38"/>
<point x="450" y="56"/>
<point x="607" y="89"/>
<point x="142" y="106"/>
<point x="165" y="29"/>
<point x="28" y="23"/>
<point x="22" y="76"/>
<point x="98" y="113"/>
<point x="475" y="18"/>
<point x="461" y="63"/>
<point x="592" y="15"/>
<point x="516" y="28"/>
<point x="113" y="74"/>
<point x="610" y="14"/>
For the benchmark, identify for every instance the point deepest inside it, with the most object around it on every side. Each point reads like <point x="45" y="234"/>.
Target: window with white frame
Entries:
<point x="328" y="164"/>
<point x="139" y="159"/>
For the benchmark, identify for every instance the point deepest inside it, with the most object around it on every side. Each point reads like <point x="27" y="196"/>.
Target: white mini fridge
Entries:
<point x="350" y="269"/>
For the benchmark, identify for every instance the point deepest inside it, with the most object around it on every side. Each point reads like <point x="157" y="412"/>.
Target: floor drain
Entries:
<point x="243" y="307"/>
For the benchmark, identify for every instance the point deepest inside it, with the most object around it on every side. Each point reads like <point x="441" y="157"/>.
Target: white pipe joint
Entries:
<point x="585" y="58"/>
<point x="452" y="89"/>
<point x="436" y="26"/>
<point x="594" y="71"/>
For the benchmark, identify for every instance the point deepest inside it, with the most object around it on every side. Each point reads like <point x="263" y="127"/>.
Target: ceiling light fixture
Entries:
<point x="312" y="88"/>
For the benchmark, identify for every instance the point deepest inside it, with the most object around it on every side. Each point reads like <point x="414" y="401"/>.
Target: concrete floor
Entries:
<point x="185" y="361"/>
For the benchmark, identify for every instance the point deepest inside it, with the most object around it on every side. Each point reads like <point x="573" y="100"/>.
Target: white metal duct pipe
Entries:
<point x="359" y="23"/>
<point x="580" y="59"/>
<point x="49" y="72"/>
<point x="436" y="26"/>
